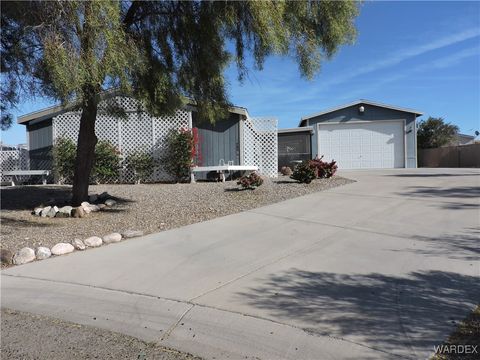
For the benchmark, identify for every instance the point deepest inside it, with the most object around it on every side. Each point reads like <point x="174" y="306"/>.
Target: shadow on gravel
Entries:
<point x="380" y="309"/>
<point x="28" y="197"/>
<point x="7" y="221"/>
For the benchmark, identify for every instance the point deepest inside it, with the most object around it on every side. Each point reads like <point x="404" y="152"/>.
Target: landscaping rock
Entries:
<point x="37" y="211"/>
<point x="110" y="202"/>
<point x="85" y="204"/>
<point x="6" y="256"/>
<point x="86" y="209"/>
<point x="94" y="208"/>
<point x="45" y="211"/>
<point x="101" y="206"/>
<point x="78" y="244"/>
<point x="24" y="256"/>
<point x="93" y="198"/>
<point x="52" y="212"/>
<point x="62" y="248"/>
<point x="43" y="253"/>
<point x="112" y="238"/>
<point x="132" y="233"/>
<point x="93" y="241"/>
<point x="78" y="212"/>
<point x="65" y="211"/>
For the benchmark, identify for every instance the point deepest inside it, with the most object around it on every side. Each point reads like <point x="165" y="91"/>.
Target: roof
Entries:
<point x="51" y="111"/>
<point x="297" y="129"/>
<point x="358" y="102"/>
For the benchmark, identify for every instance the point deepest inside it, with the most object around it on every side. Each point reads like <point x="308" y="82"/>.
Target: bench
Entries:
<point x="15" y="173"/>
<point x="221" y="170"/>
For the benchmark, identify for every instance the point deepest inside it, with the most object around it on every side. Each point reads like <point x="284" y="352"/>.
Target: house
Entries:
<point x="462" y="139"/>
<point x="238" y="139"/>
<point x="363" y="135"/>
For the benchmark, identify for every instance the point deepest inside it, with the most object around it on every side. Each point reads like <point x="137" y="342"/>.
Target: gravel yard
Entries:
<point x="150" y="208"/>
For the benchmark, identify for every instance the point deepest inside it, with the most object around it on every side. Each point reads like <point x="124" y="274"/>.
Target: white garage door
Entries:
<point x="367" y="145"/>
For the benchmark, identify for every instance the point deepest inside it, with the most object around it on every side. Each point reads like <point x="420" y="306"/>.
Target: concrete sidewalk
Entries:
<point x="382" y="268"/>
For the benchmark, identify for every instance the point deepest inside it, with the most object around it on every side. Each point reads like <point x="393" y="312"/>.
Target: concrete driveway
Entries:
<point x="381" y="268"/>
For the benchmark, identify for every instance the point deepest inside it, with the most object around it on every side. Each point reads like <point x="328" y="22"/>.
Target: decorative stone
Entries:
<point x="94" y="208"/>
<point x="43" y="253"/>
<point x="78" y="212"/>
<point x="37" y="211"/>
<point x="132" y="233"/>
<point x="6" y="256"/>
<point x="45" y="211"/>
<point x="112" y="238"/>
<point x="93" y="198"/>
<point x="93" y="241"/>
<point x="24" y="256"/>
<point x="78" y="244"/>
<point x="110" y="202"/>
<point x="85" y="204"/>
<point x="87" y="209"/>
<point x="101" y="206"/>
<point x="65" y="211"/>
<point x="62" y="248"/>
<point x="52" y="212"/>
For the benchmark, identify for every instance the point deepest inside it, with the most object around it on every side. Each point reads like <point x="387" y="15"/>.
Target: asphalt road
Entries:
<point x="381" y="268"/>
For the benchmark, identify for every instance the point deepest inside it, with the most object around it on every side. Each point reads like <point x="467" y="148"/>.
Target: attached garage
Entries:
<point x="365" y="135"/>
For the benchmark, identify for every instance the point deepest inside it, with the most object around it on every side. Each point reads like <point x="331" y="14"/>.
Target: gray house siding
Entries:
<point x="40" y="142"/>
<point x="220" y="141"/>
<point x="371" y="113"/>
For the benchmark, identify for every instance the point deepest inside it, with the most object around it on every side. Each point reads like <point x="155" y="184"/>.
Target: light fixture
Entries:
<point x="361" y="109"/>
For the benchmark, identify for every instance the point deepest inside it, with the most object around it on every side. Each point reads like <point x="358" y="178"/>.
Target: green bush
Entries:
<point x="64" y="154"/>
<point x="251" y="181"/>
<point x="105" y="168"/>
<point x="142" y="164"/>
<point x="304" y="172"/>
<point x="179" y="154"/>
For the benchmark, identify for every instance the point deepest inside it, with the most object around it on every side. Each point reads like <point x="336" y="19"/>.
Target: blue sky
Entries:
<point x="420" y="55"/>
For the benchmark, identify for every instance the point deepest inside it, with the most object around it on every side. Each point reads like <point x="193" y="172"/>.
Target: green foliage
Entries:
<point x="250" y="181"/>
<point x="179" y="154"/>
<point x="304" y="172"/>
<point x="107" y="163"/>
<point x="105" y="169"/>
<point x="64" y="154"/>
<point x="142" y="163"/>
<point x="435" y="132"/>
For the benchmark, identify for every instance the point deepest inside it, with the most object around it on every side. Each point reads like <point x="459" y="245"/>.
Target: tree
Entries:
<point x="435" y="132"/>
<point x="158" y="52"/>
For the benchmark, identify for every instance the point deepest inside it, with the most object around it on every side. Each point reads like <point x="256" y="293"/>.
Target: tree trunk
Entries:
<point x="85" y="151"/>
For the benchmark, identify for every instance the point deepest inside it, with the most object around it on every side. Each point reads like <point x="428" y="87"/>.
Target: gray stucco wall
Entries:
<point x="218" y="141"/>
<point x="371" y="113"/>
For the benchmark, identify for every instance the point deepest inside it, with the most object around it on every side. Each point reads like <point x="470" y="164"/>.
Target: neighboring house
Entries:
<point x="365" y="135"/>
<point x="238" y="139"/>
<point x="462" y="139"/>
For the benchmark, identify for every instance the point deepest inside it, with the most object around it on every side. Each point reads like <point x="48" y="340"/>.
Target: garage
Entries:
<point x="366" y="145"/>
<point x="365" y="135"/>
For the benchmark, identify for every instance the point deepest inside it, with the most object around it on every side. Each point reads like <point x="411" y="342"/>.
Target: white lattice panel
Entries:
<point x="13" y="160"/>
<point x="138" y="131"/>
<point x="261" y="145"/>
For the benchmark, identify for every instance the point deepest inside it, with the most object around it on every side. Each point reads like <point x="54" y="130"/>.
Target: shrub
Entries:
<point x="304" y="172"/>
<point x="142" y="164"/>
<point x="323" y="169"/>
<point x="107" y="163"/>
<point x="105" y="168"/>
<point x="286" y="170"/>
<point x="179" y="154"/>
<point x="64" y="154"/>
<point x="251" y="181"/>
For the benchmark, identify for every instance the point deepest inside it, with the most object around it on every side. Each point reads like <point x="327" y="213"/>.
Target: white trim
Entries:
<point x="367" y="122"/>
<point x="240" y="139"/>
<point x="297" y="129"/>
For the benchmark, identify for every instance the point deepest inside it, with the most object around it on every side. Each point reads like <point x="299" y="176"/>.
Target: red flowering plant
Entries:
<point x="323" y="169"/>
<point x="180" y="154"/>
<point x="251" y="181"/>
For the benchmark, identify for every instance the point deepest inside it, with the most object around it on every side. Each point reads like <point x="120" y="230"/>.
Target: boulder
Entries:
<point x="101" y="206"/>
<point x="24" y="256"/>
<point x="78" y="244"/>
<point x="45" y="211"/>
<point x="62" y="248"/>
<point x="6" y="256"/>
<point x="110" y="202"/>
<point x="78" y="212"/>
<point x="86" y="209"/>
<point x="94" y="208"/>
<point x="65" y="211"/>
<point x="37" y="211"/>
<point x="93" y="198"/>
<point x="85" y="204"/>
<point x="132" y="233"/>
<point x="93" y="241"/>
<point x="112" y="238"/>
<point x="43" y="253"/>
<point x="52" y="212"/>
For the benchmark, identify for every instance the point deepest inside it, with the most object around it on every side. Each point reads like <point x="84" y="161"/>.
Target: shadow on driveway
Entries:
<point x="382" y="311"/>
